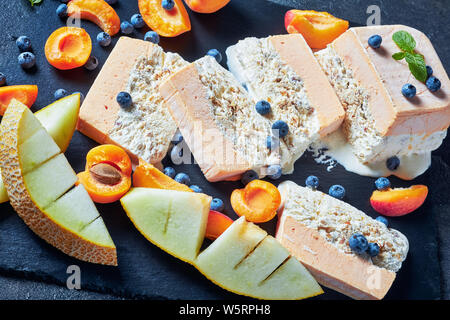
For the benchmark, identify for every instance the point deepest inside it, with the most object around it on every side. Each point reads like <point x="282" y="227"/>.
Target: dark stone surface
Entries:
<point x="31" y="269"/>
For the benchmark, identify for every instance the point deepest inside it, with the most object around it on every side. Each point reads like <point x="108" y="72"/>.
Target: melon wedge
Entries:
<point x="175" y="221"/>
<point x="244" y="259"/>
<point x="59" y="119"/>
<point x="247" y="261"/>
<point x="43" y="197"/>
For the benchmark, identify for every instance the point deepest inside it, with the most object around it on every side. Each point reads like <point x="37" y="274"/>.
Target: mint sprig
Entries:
<point x="33" y="2"/>
<point x="416" y="62"/>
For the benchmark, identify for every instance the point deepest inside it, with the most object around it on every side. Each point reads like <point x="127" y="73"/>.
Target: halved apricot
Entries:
<point x="109" y="153"/>
<point x="217" y="224"/>
<point x="68" y="48"/>
<point x="26" y="94"/>
<point x="167" y="23"/>
<point x="398" y="202"/>
<point x="258" y="201"/>
<point x="97" y="11"/>
<point x="108" y="173"/>
<point x="318" y="28"/>
<point x="206" y="6"/>
<point x="147" y="176"/>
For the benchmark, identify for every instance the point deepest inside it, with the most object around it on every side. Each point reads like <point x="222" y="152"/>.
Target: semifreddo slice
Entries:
<point x="283" y="71"/>
<point x="40" y="196"/>
<point x="219" y="122"/>
<point x="380" y="122"/>
<point x="316" y="228"/>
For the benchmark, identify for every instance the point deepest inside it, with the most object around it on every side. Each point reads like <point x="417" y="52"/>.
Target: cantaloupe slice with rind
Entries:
<point x="59" y="119"/>
<point x="173" y="220"/>
<point x="19" y="122"/>
<point x="247" y="261"/>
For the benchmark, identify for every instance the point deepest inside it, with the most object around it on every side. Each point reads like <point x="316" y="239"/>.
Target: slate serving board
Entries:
<point x="145" y="271"/>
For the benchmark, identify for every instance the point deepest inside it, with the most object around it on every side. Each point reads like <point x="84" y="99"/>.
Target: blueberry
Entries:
<point x="2" y="79"/>
<point x="81" y="95"/>
<point x="217" y="204"/>
<point x="382" y="183"/>
<point x="170" y="172"/>
<point x="383" y="220"/>
<point x="137" y="21"/>
<point x="61" y="10"/>
<point x="272" y="143"/>
<point x="111" y="1"/>
<point x="183" y="178"/>
<point x="196" y="188"/>
<point x="126" y="27"/>
<point x="168" y="4"/>
<point x="263" y="107"/>
<point x="92" y="63"/>
<point x="337" y="191"/>
<point x="27" y="60"/>
<point x="124" y="100"/>
<point x="408" y="90"/>
<point x="392" y="163"/>
<point x="60" y="93"/>
<point x="373" y="249"/>
<point x="274" y="171"/>
<point x="375" y="41"/>
<point x="429" y="71"/>
<point x="152" y="36"/>
<point x="177" y="138"/>
<point x="281" y="128"/>
<point x="248" y="176"/>
<point x="358" y="243"/>
<point x="24" y="43"/>
<point x="312" y="182"/>
<point x="215" y="54"/>
<point x="433" y="84"/>
<point x="103" y="39"/>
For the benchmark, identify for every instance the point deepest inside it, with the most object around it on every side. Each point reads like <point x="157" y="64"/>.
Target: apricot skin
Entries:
<point x="318" y="28"/>
<point x="206" y="6"/>
<point x="166" y="23"/>
<point x="398" y="202"/>
<point x="97" y="11"/>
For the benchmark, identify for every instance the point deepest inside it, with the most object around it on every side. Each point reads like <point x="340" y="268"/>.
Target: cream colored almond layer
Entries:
<point x="258" y="66"/>
<point x="336" y="221"/>
<point x="368" y="144"/>
<point x="147" y="127"/>
<point x="235" y="115"/>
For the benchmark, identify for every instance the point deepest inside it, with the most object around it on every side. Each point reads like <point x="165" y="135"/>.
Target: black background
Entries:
<point x="144" y="270"/>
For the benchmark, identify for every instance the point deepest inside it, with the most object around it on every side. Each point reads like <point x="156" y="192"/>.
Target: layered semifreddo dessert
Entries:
<point x="145" y="130"/>
<point x="380" y="121"/>
<point x="316" y="228"/>
<point x="219" y="122"/>
<point x="283" y="71"/>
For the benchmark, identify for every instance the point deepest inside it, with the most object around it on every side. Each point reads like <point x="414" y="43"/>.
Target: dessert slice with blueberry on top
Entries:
<point x="394" y="89"/>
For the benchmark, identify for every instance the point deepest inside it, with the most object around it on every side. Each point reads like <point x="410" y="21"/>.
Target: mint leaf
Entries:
<point x="399" y="55"/>
<point x="417" y="66"/>
<point x="404" y="41"/>
<point x="33" y="2"/>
